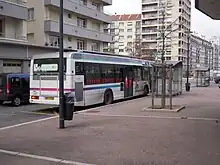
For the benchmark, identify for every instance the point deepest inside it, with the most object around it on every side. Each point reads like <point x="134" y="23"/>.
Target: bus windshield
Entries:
<point x="47" y="65"/>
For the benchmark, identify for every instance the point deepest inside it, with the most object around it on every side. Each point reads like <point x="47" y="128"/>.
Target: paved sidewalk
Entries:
<point x="123" y="133"/>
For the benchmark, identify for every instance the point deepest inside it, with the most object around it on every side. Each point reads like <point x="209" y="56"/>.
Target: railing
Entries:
<point x="20" y="2"/>
<point x="149" y="1"/>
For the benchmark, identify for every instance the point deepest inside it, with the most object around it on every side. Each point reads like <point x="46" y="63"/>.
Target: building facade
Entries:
<point x="126" y="31"/>
<point x="83" y="24"/>
<point x="171" y="17"/>
<point x="202" y="53"/>
<point x="30" y="27"/>
<point x="13" y="29"/>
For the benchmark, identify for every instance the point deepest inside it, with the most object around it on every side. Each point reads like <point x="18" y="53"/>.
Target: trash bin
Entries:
<point x="187" y="85"/>
<point x="68" y="106"/>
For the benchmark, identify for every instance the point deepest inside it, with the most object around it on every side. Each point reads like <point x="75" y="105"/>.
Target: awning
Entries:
<point x="209" y="7"/>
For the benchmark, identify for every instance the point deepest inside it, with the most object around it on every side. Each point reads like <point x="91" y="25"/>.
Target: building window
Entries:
<point x="129" y="44"/>
<point x="70" y="16"/>
<point x="129" y="30"/>
<point x="96" y="6"/>
<point x="30" y="14"/>
<point x="81" y="22"/>
<point x="130" y="24"/>
<point x="121" y="23"/>
<point x="121" y="37"/>
<point x="121" y="50"/>
<point x="95" y="46"/>
<point x="1" y="28"/>
<point x="83" y="2"/>
<point x="81" y="44"/>
<point x="121" y="30"/>
<point x="129" y="37"/>
<point x="54" y="40"/>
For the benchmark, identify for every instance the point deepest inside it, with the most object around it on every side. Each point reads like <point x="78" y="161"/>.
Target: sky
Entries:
<point x="201" y="23"/>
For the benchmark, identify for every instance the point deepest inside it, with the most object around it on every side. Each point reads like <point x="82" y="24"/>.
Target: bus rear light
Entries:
<point x="7" y="88"/>
<point x="35" y="97"/>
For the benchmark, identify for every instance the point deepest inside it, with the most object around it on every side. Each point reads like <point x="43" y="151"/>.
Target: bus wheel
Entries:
<point x="108" y="97"/>
<point x="16" y="101"/>
<point x="146" y="90"/>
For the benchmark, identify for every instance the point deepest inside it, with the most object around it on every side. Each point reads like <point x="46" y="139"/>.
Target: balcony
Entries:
<point x="72" y="30"/>
<point x="13" y="8"/>
<point x="76" y="7"/>
<point x="107" y="2"/>
<point x="144" y="2"/>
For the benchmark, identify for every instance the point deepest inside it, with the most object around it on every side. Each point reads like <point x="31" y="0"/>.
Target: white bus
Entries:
<point x="92" y="77"/>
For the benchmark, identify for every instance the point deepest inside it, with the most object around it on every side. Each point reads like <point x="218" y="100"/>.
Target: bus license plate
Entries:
<point x="49" y="98"/>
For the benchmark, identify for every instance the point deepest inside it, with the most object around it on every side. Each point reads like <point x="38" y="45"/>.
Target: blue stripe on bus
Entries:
<point x="102" y="87"/>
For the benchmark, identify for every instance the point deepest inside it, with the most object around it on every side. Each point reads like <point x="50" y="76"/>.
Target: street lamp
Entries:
<point x="61" y="71"/>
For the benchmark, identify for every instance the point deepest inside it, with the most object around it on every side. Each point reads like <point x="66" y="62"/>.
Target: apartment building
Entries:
<point x="13" y="29"/>
<point x="201" y="53"/>
<point x="84" y="22"/>
<point x="126" y="31"/>
<point x="175" y="17"/>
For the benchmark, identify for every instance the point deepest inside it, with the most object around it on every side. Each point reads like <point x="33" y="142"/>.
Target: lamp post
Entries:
<point x="61" y="72"/>
<point x="187" y="85"/>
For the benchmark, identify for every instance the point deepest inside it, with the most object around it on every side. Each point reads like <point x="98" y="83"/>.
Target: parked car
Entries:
<point x="14" y="88"/>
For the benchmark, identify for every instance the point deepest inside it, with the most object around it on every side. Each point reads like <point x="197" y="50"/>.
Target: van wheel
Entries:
<point x="17" y="101"/>
<point x="108" y="97"/>
<point x="146" y="90"/>
<point x="1" y="102"/>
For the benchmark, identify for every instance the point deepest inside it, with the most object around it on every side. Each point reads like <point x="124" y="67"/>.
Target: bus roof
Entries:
<point x="97" y="57"/>
<point x="20" y="75"/>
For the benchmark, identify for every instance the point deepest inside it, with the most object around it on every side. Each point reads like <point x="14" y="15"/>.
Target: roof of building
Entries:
<point x="126" y="17"/>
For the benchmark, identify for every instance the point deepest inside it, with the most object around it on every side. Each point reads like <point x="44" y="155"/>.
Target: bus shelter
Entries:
<point x="173" y="74"/>
<point x="202" y="77"/>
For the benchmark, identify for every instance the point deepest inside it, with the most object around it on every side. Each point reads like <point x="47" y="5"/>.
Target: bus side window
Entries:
<point x="79" y="68"/>
<point x="118" y="73"/>
<point x="107" y="73"/>
<point x="92" y="73"/>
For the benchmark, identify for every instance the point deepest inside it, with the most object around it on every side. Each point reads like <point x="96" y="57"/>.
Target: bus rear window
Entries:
<point x="47" y="65"/>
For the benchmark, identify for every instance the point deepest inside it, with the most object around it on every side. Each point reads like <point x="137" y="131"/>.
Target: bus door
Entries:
<point x="128" y="81"/>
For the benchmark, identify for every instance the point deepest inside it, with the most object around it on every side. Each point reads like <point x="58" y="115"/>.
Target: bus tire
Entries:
<point x="16" y="101"/>
<point x="108" y="97"/>
<point x="146" y="90"/>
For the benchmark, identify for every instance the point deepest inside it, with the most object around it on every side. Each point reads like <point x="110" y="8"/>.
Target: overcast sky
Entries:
<point x="201" y="23"/>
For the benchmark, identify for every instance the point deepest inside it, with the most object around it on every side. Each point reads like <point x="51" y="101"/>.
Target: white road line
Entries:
<point x="36" y="113"/>
<point x="42" y="158"/>
<point x="27" y="123"/>
<point x="154" y="117"/>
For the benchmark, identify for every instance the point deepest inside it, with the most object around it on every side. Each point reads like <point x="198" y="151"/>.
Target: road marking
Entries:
<point x="153" y="117"/>
<point x="27" y="123"/>
<point x="42" y="158"/>
<point x="38" y="113"/>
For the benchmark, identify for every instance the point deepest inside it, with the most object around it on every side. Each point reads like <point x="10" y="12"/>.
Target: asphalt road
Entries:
<point x="10" y="115"/>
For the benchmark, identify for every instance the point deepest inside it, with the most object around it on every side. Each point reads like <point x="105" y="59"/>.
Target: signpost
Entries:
<point x="61" y="71"/>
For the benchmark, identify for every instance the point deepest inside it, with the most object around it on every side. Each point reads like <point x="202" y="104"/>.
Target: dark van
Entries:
<point x="14" y="88"/>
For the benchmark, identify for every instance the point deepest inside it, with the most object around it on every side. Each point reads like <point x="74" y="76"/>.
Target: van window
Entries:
<point x="1" y="81"/>
<point x="15" y="82"/>
<point x="25" y="83"/>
